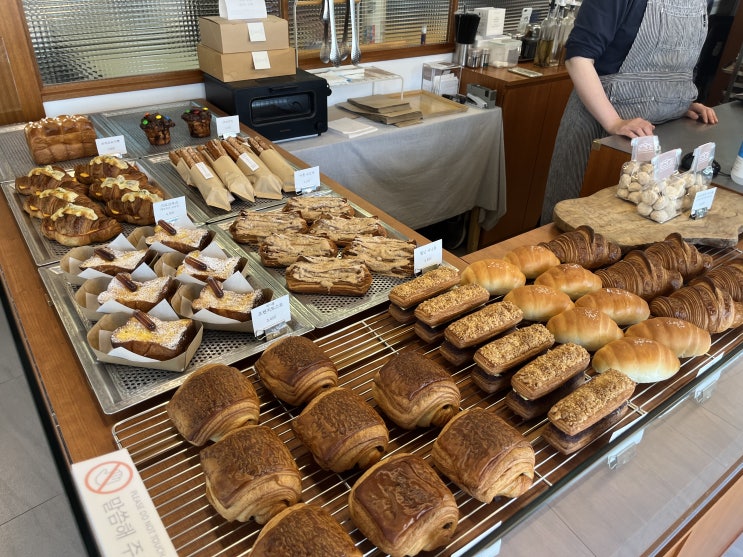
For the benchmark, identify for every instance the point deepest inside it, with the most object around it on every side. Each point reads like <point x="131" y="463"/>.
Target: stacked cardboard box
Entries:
<point x="229" y="49"/>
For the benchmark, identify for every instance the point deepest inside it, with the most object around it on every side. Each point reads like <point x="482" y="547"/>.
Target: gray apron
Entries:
<point x="655" y="82"/>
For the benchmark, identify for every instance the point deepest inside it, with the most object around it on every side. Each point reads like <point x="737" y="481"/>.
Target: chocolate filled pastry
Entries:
<point x="403" y="507"/>
<point x="135" y="294"/>
<point x="550" y="370"/>
<point x="483" y="324"/>
<point x="212" y="401"/>
<point x="296" y="370"/>
<point x="201" y="266"/>
<point x="154" y="338"/>
<point x="250" y="473"/>
<point x="341" y="430"/>
<point x="342" y="230"/>
<point x="456" y="356"/>
<point x="451" y="304"/>
<point x="180" y="238"/>
<point x="586" y="413"/>
<point x="76" y="225"/>
<point x="538" y="302"/>
<point x="252" y="227"/>
<point x="498" y="358"/>
<point x="429" y="284"/>
<point x="624" y="307"/>
<point x="45" y="203"/>
<point x="538" y="407"/>
<point x="414" y="391"/>
<point x="281" y="250"/>
<point x="403" y="316"/>
<point x="311" y="208"/>
<point x="228" y="303"/>
<point x="641" y="359"/>
<point x="111" y="261"/>
<point x="384" y="256"/>
<point x="484" y="456"/>
<point x="303" y="529"/>
<point x="588" y="327"/>
<point x="570" y="278"/>
<point x="331" y="276"/>
<point x="429" y="335"/>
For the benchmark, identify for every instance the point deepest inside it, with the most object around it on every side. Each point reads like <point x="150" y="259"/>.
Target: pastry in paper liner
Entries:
<point x="265" y="183"/>
<point x="237" y="183"/>
<point x="98" y="296"/>
<point x="185" y="240"/>
<point x="484" y="455"/>
<point x="70" y="263"/>
<point x="211" y="188"/>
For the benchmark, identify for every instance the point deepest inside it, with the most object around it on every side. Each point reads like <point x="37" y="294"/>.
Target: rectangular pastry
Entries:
<point x="251" y="227"/>
<point x="483" y="324"/>
<point x="550" y="370"/>
<point x="281" y="250"/>
<point x="342" y="230"/>
<point x="450" y="305"/>
<point x="384" y="256"/>
<point x="429" y="284"/>
<point x="335" y="277"/>
<point x="532" y="408"/>
<point x="311" y="208"/>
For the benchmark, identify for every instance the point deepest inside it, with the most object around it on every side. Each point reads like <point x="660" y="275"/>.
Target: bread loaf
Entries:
<point x="623" y="306"/>
<point x="532" y="260"/>
<point x="483" y="324"/>
<point x="497" y="276"/>
<point x="429" y="284"/>
<point x="587" y="327"/>
<point x="570" y="278"/>
<point x="641" y="359"/>
<point x="61" y="138"/>
<point x="539" y="302"/>
<point x="585" y="247"/>
<point x="685" y="339"/>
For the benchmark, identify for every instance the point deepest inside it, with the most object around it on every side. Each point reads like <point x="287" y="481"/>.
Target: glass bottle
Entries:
<point x="566" y="26"/>
<point x="559" y="16"/>
<point x="547" y="38"/>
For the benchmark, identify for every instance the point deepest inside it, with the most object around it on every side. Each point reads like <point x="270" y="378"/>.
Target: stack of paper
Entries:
<point x="383" y="108"/>
<point x="350" y="127"/>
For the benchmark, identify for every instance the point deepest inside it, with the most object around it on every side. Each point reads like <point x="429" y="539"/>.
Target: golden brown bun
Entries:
<point x="451" y="304"/>
<point x="676" y="254"/>
<point x="683" y="338"/>
<point x="585" y="247"/>
<point x="429" y="284"/>
<point x="623" y="306"/>
<point x="532" y="260"/>
<point x="303" y="529"/>
<point x="570" y="278"/>
<point x="485" y="456"/>
<point x="384" y="256"/>
<point x="60" y="138"/>
<point x="213" y="400"/>
<point x="497" y="276"/>
<point x="591" y="402"/>
<point x="403" y="507"/>
<point x="641" y="359"/>
<point x="547" y="372"/>
<point x="483" y="324"/>
<point x="331" y="276"/>
<point x="250" y="473"/>
<point x="510" y="350"/>
<point x="168" y="340"/>
<point x="640" y="274"/>
<point x="704" y="304"/>
<point x="584" y="326"/>
<point x="281" y="250"/>
<point x="341" y="430"/>
<point x="539" y="302"/>
<point x="414" y="391"/>
<point x="296" y="370"/>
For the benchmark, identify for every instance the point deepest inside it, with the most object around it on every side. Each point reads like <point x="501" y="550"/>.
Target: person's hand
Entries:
<point x="636" y="127"/>
<point x="697" y="111"/>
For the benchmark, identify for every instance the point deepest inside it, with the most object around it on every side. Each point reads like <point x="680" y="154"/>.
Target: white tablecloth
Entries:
<point x="420" y="174"/>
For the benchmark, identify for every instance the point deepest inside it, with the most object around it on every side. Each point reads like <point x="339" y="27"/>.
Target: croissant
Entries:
<point x="703" y="304"/>
<point x="678" y="255"/>
<point x="586" y="327"/>
<point x="584" y="247"/>
<point x="638" y="273"/>
<point x="729" y="277"/>
<point x="684" y="338"/>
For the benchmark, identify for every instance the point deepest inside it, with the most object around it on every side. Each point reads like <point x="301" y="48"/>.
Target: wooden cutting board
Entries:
<point x="618" y="220"/>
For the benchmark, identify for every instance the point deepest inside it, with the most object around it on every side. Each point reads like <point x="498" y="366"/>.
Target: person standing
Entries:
<point x="632" y="66"/>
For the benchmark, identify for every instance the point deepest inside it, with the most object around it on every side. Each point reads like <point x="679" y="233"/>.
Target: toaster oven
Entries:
<point x="282" y="107"/>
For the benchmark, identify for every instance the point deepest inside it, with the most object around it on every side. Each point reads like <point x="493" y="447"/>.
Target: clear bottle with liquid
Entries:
<point x="547" y="38"/>
<point x="563" y="32"/>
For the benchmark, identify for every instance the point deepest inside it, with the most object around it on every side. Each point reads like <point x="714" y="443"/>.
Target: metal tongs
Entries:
<point x="335" y="56"/>
<point x="325" y="46"/>
<point x="355" y="50"/>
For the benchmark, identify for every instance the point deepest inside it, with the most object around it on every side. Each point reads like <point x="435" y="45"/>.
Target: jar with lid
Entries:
<point x="531" y="38"/>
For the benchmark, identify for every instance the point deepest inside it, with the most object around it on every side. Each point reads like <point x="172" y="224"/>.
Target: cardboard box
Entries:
<point x="491" y="21"/>
<point x="232" y="35"/>
<point x="239" y="66"/>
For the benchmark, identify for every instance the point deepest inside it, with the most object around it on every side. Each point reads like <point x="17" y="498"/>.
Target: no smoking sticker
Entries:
<point x="108" y="477"/>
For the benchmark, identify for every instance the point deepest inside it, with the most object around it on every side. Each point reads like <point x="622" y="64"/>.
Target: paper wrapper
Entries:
<point x="169" y="262"/>
<point x="279" y="166"/>
<point x="184" y="172"/>
<point x="139" y="235"/>
<point x="71" y="261"/>
<point x="211" y="188"/>
<point x="265" y="183"/>
<point x="231" y="176"/>
<point x="99" y="339"/>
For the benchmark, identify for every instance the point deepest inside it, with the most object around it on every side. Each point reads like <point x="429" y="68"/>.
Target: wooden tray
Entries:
<point x="429" y="104"/>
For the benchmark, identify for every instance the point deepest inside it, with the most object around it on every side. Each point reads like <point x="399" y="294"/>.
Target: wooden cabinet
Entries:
<point x="532" y="109"/>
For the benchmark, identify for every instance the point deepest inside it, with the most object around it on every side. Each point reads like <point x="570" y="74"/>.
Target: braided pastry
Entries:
<point x="584" y="247"/>
<point x="676" y="254"/>
<point x="640" y="274"/>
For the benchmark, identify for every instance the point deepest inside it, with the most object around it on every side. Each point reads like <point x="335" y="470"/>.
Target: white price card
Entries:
<point x="271" y="314"/>
<point x="118" y="507"/>
<point x="256" y="32"/>
<point x="114" y="145"/>
<point x="228" y="126"/>
<point x="702" y="203"/>
<point x="261" y="61"/>
<point x="171" y="210"/>
<point x="307" y="179"/>
<point x="243" y="9"/>
<point x="429" y="255"/>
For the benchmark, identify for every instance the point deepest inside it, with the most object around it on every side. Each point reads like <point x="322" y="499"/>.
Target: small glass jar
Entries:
<point x="474" y="56"/>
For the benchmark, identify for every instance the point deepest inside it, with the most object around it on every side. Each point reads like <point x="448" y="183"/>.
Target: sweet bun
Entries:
<point x="684" y="338"/>
<point x="641" y="359"/>
<point x="587" y="327"/>
<point x="570" y="278"/>
<point x="497" y="276"/>
<point x="532" y="260"/>
<point x="539" y="302"/>
<point x="623" y="306"/>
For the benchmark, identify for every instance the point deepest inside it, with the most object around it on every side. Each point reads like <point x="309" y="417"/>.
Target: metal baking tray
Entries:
<point x="324" y="310"/>
<point x="171" y="470"/>
<point x="119" y="387"/>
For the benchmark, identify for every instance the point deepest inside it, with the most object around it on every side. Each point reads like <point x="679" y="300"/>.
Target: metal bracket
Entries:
<point x="704" y="390"/>
<point x="625" y="451"/>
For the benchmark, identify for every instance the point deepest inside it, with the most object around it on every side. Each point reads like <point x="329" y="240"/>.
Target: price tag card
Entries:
<point x="271" y="314"/>
<point x="666" y="164"/>
<point x="243" y="9"/>
<point x="261" y="61"/>
<point x="256" y="32"/>
<point x="120" y="512"/>
<point x="114" y="145"/>
<point x="171" y="210"/>
<point x="307" y="179"/>
<point x="703" y="157"/>
<point x="702" y="203"/>
<point x="430" y="255"/>
<point x="645" y="148"/>
<point x="228" y="126"/>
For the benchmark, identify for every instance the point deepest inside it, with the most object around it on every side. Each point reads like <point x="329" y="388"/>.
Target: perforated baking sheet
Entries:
<point x="118" y="387"/>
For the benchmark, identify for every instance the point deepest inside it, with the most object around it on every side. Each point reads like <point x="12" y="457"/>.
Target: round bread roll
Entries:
<point x="684" y="338"/>
<point x="497" y="276"/>
<point x="643" y="360"/>
<point x="538" y="302"/>
<point x="623" y="306"/>
<point x="570" y="278"/>
<point x="532" y="260"/>
<point x="587" y="327"/>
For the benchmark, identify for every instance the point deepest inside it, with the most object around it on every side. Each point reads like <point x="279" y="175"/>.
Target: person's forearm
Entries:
<point x="588" y="86"/>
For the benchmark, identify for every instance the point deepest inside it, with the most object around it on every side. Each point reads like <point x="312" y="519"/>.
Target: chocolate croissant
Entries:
<point x="414" y="391"/>
<point x="250" y="473"/>
<point x="676" y="254"/>
<point x="584" y="247"/>
<point x="484" y="456"/>
<point x="341" y="430"/>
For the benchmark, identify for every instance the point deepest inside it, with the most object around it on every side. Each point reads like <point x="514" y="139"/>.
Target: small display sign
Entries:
<point x="271" y="315"/>
<point x="114" y="145"/>
<point x="430" y="255"/>
<point x="228" y="126"/>
<point x="243" y="9"/>
<point x="307" y="179"/>
<point x="261" y="61"/>
<point x="256" y="32"/>
<point x="702" y="203"/>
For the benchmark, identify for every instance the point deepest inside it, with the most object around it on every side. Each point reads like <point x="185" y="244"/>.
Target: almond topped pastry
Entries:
<point x="335" y="277"/>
